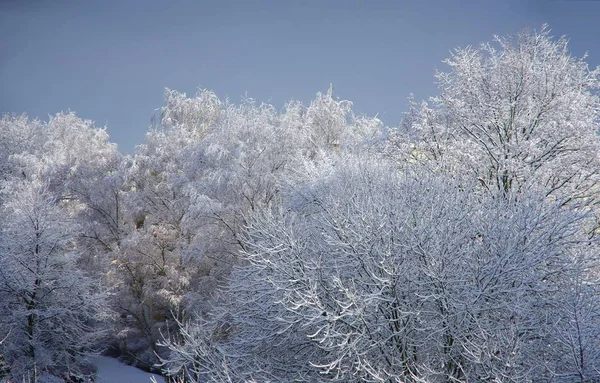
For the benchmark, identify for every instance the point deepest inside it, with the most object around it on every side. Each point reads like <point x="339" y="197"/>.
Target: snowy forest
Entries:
<point x="246" y="243"/>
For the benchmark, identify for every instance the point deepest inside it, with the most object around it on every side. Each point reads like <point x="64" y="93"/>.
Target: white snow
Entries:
<point x="111" y="370"/>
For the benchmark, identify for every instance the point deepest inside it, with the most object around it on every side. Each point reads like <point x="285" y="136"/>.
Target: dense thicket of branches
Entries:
<point x="246" y="243"/>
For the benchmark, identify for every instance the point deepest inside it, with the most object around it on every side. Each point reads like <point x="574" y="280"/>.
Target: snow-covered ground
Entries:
<point x="111" y="370"/>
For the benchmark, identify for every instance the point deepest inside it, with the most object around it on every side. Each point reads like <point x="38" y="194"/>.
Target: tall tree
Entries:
<point x="49" y="306"/>
<point x="368" y="274"/>
<point x="517" y="113"/>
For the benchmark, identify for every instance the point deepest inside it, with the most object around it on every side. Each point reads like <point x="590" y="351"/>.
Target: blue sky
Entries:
<point x="110" y="61"/>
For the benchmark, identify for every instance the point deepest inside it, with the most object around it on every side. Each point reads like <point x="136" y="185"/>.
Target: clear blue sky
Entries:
<point x="110" y="60"/>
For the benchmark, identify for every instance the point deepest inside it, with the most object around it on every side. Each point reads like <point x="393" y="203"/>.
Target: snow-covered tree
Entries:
<point x="49" y="307"/>
<point x="243" y="164"/>
<point x="371" y="274"/>
<point x="151" y="265"/>
<point x="55" y="176"/>
<point x="517" y="113"/>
